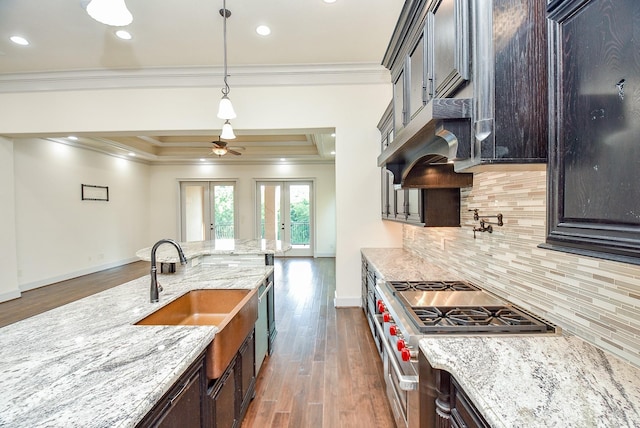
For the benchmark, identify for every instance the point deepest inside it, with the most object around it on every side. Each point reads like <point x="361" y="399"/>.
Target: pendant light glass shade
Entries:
<point x="225" y="109"/>
<point x="227" y="131"/>
<point x="110" y="12"/>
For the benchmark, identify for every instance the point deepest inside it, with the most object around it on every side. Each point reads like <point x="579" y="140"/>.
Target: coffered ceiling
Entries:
<point x="186" y="35"/>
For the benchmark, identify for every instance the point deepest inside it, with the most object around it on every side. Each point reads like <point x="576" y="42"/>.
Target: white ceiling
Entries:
<point x="188" y="34"/>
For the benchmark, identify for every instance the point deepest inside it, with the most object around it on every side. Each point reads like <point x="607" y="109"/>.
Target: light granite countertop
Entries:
<point x="167" y="253"/>
<point x="525" y="381"/>
<point x="85" y="364"/>
<point x="540" y="382"/>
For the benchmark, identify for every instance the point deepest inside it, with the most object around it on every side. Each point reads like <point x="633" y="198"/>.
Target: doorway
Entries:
<point x="285" y="212"/>
<point x="208" y="210"/>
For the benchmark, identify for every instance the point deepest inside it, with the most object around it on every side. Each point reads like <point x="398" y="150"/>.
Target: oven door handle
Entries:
<point x="407" y="383"/>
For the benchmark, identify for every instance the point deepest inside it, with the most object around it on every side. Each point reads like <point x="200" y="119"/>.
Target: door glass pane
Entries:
<point x="223" y="218"/>
<point x="270" y="216"/>
<point x="299" y="214"/>
<point x="194" y="212"/>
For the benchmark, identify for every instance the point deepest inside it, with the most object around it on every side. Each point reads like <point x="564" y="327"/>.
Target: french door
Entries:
<point x="207" y="210"/>
<point x="285" y="212"/>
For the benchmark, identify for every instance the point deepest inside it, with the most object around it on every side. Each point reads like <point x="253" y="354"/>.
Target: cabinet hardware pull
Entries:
<point x="264" y="293"/>
<point x="180" y="392"/>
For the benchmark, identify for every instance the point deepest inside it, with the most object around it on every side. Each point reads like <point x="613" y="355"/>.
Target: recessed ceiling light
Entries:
<point x="263" y="30"/>
<point x="202" y="159"/>
<point x="329" y="1"/>
<point x="123" y="34"/>
<point x="18" y="40"/>
<point x="282" y="159"/>
<point x="131" y="154"/>
<point x="72" y="137"/>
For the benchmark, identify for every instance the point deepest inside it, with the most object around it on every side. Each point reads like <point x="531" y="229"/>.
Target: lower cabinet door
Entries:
<point x="223" y="401"/>
<point x="184" y="408"/>
<point x="182" y="405"/>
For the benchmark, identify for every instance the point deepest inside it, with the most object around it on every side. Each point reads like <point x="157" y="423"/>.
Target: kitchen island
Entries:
<point x="524" y="380"/>
<point x="195" y="251"/>
<point x="86" y="364"/>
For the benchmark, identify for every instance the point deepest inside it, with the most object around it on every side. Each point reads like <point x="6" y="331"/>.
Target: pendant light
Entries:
<point x="227" y="131"/>
<point x="225" y="109"/>
<point x="110" y="12"/>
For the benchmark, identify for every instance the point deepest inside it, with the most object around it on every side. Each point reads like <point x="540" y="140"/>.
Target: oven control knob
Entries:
<point x="393" y="330"/>
<point x="386" y="317"/>
<point x="406" y="354"/>
<point x="401" y="345"/>
<point x="380" y="306"/>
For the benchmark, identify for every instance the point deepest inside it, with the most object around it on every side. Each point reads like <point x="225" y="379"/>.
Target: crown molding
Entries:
<point x="185" y="77"/>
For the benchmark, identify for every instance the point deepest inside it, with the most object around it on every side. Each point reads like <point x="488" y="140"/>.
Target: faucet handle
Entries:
<point x="160" y="287"/>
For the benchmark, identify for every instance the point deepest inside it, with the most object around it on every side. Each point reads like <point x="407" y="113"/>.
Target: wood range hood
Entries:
<point x="422" y="154"/>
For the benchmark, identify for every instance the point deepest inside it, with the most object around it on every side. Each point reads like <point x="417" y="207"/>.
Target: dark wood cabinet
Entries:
<point x="271" y="312"/>
<point x="443" y="403"/>
<point x="183" y="404"/>
<point x="594" y="156"/>
<point x="470" y="84"/>
<point x="222" y="398"/>
<point x="246" y="375"/>
<point x="228" y="397"/>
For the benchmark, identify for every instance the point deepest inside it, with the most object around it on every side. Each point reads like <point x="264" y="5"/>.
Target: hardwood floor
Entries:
<point x="324" y="371"/>
<point x="34" y="302"/>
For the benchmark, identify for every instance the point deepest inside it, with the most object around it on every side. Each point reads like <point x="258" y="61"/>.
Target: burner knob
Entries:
<point x="386" y="317"/>
<point x="393" y="330"/>
<point x="401" y="345"/>
<point x="380" y="306"/>
<point x="406" y="354"/>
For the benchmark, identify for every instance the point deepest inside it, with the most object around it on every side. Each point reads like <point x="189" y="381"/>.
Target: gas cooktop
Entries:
<point x="472" y="311"/>
<point x="398" y="286"/>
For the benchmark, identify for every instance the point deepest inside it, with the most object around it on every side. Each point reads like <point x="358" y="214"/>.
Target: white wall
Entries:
<point x="352" y="110"/>
<point x="60" y="236"/>
<point x="8" y="260"/>
<point x="164" y="196"/>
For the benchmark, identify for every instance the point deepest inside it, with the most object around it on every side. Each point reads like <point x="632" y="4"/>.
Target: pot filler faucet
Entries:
<point x="154" y="277"/>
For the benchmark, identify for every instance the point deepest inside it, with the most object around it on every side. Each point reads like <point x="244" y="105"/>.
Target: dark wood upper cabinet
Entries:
<point x="594" y="157"/>
<point x="479" y="95"/>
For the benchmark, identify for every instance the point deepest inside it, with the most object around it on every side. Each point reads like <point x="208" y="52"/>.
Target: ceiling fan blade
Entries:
<point x="233" y="152"/>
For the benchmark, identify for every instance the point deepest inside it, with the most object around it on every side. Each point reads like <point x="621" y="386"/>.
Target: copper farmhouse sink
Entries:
<point x="233" y="311"/>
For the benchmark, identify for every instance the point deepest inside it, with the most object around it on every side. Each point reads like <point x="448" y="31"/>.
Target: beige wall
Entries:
<point x="60" y="236"/>
<point x="596" y="299"/>
<point x="8" y="258"/>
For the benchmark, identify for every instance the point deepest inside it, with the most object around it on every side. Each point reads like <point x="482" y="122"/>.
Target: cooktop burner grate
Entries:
<point x="461" y="320"/>
<point x="432" y="286"/>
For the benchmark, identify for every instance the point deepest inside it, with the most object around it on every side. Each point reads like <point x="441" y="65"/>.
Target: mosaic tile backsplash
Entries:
<point x="596" y="299"/>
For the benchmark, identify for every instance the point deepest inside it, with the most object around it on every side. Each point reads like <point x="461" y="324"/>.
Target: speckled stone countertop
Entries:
<point x="397" y="264"/>
<point x="525" y="381"/>
<point x="540" y="381"/>
<point x="85" y="364"/>
<point x="168" y="254"/>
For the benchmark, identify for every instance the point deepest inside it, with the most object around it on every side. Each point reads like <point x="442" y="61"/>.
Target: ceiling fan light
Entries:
<point x="227" y="131"/>
<point x="110" y="12"/>
<point x="220" y="151"/>
<point x="225" y="109"/>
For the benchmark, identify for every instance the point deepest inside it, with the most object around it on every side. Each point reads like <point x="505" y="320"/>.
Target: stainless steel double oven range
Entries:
<point x="400" y="313"/>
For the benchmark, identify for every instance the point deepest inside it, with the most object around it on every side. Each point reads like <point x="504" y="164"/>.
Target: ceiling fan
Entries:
<point x="220" y="148"/>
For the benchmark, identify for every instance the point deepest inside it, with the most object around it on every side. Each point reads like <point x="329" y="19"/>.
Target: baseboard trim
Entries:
<point x="347" y="302"/>
<point x="318" y="255"/>
<point x="52" y="280"/>
<point x="10" y="295"/>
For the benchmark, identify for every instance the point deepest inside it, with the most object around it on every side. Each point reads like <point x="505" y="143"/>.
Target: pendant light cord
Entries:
<point x="225" y="13"/>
